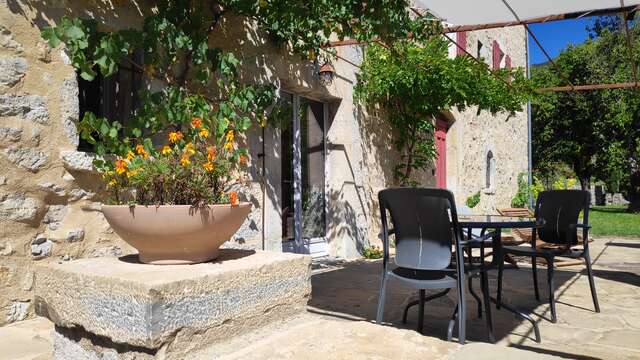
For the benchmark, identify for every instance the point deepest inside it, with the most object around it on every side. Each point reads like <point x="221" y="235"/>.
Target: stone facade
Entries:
<point x="50" y="197"/>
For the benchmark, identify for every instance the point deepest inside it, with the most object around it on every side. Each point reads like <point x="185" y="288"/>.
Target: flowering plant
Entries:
<point x="197" y="165"/>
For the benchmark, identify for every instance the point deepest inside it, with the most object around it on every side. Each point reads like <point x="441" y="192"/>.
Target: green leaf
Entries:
<point x="49" y="34"/>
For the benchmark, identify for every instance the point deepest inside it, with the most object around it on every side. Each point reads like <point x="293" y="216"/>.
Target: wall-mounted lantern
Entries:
<point x="326" y="73"/>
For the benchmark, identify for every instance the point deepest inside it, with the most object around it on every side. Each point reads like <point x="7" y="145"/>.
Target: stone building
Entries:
<point x="50" y="197"/>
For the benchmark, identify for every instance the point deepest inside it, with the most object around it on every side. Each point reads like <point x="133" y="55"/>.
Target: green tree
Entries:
<point x="413" y="81"/>
<point x="597" y="133"/>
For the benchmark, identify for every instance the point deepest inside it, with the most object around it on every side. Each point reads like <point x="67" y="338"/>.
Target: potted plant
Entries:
<point x="173" y="202"/>
<point x="173" y="167"/>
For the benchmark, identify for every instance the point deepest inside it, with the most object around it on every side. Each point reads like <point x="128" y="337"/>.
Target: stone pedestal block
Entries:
<point x="121" y="309"/>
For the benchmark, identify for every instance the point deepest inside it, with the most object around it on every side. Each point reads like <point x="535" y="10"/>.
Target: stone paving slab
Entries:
<point x="26" y="340"/>
<point x="339" y="324"/>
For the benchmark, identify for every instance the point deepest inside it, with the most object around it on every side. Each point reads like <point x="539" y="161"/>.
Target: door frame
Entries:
<point x="317" y="246"/>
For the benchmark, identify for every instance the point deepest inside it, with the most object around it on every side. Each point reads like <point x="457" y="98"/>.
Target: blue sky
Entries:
<point x="555" y="36"/>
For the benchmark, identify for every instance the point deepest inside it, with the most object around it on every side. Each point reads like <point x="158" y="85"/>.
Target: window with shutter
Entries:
<point x="461" y="39"/>
<point x="114" y="97"/>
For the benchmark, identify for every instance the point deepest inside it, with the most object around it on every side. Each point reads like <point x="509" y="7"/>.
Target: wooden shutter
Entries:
<point x="461" y="39"/>
<point x="497" y="53"/>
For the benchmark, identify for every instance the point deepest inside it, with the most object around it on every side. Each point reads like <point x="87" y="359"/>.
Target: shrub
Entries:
<point x="473" y="200"/>
<point x="372" y="252"/>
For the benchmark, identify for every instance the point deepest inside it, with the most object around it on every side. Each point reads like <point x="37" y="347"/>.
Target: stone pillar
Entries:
<point x="121" y="309"/>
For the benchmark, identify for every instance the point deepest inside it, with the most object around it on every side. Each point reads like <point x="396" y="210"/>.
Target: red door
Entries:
<point x="441" y="147"/>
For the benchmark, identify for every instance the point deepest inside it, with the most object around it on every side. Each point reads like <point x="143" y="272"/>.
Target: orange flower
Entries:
<point x="174" y="136"/>
<point x="166" y="150"/>
<point x="121" y="166"/>
<point x="204" y="133"/>
<point x="130" y="155"/>
<point x="196" y="122"/>
<point x="244" y="160"/>
<point x="233" y="198"/>
<point x="211" y="153"/>
<point x="140" y="149"/>
<point x="208" y="166"/>
<point x="230" y="136"/>
<point x="184" y="160"/>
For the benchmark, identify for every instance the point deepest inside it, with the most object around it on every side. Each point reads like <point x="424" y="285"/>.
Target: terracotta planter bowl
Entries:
<point x="176" y="234"/>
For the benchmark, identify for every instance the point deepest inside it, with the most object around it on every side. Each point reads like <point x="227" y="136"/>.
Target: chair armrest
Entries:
<point x="582" y="226"/>
<point x="389" y="233"/>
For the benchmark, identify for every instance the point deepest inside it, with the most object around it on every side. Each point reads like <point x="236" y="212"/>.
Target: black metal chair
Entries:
<point x="425" y="226"/>
<point x="557" y="214"/>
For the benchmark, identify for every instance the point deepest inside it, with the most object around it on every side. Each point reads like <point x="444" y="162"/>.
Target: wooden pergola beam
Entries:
<point x="541" y="19"/>
<point x="535" y="20"/>
<point x="625" y="85"/>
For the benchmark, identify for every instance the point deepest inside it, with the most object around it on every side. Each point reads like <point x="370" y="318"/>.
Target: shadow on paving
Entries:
<point x="350" y="291"/>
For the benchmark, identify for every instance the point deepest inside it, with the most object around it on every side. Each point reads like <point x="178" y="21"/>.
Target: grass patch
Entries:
<point x="614" y="221"/>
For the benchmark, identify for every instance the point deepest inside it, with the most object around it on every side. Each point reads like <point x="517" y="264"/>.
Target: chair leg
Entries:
<point x="462" y="313"/>
<point x="592" y="284"/>
<point x="381" y="298"/>
<point x="499" y="292"/>
<point x="552" y="299"/>
<point x="484" y="278"/>
<point x="534" y="269"/>
<point x="421" y="311"/>
<point x="452" y="323"/>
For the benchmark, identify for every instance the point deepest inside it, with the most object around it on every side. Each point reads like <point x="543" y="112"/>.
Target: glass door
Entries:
<point x="303" y="175"/>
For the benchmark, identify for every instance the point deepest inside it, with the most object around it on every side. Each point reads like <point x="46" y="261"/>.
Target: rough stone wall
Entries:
<point x="50" y="198"/>
<point x="471" y="135"/>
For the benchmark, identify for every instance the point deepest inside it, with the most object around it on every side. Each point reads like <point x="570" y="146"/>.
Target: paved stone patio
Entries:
<point x="339" y="324"/>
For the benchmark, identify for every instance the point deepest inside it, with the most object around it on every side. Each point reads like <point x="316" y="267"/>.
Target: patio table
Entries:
<point x="496" y="223"/>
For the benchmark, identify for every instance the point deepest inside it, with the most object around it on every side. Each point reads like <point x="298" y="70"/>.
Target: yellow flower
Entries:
<point x="230" y="136"/>
<point x="112" y="183"/>
<point x="130" y="155"/>
<point x="184" y="160"/>
<point x="132" y="173"/>
<point x="189" y="149"/>
<point x="262" y="3"/>
<point x="211" y="153"/>
<point x="174" y="136"/>
<point x="228" y="146"/>
<point x="166" y="150"/>
<point x="196" y="122"/>
<point x="208" y="166"/>
<point x="204" y="133"/>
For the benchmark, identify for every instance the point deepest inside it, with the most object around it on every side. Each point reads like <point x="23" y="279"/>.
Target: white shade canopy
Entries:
<point x="474" y="12"/>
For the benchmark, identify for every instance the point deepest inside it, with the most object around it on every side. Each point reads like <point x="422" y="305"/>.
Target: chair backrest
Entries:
<point x="423" y="221"/>
<point x="556" y="210"/>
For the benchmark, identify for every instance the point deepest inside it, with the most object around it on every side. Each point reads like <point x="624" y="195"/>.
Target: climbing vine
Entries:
<point x="413" y="81"/>
<point x="201" y="84"/>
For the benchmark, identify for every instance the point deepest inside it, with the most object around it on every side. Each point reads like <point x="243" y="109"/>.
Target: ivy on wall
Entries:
<point x="413" y="81"/>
